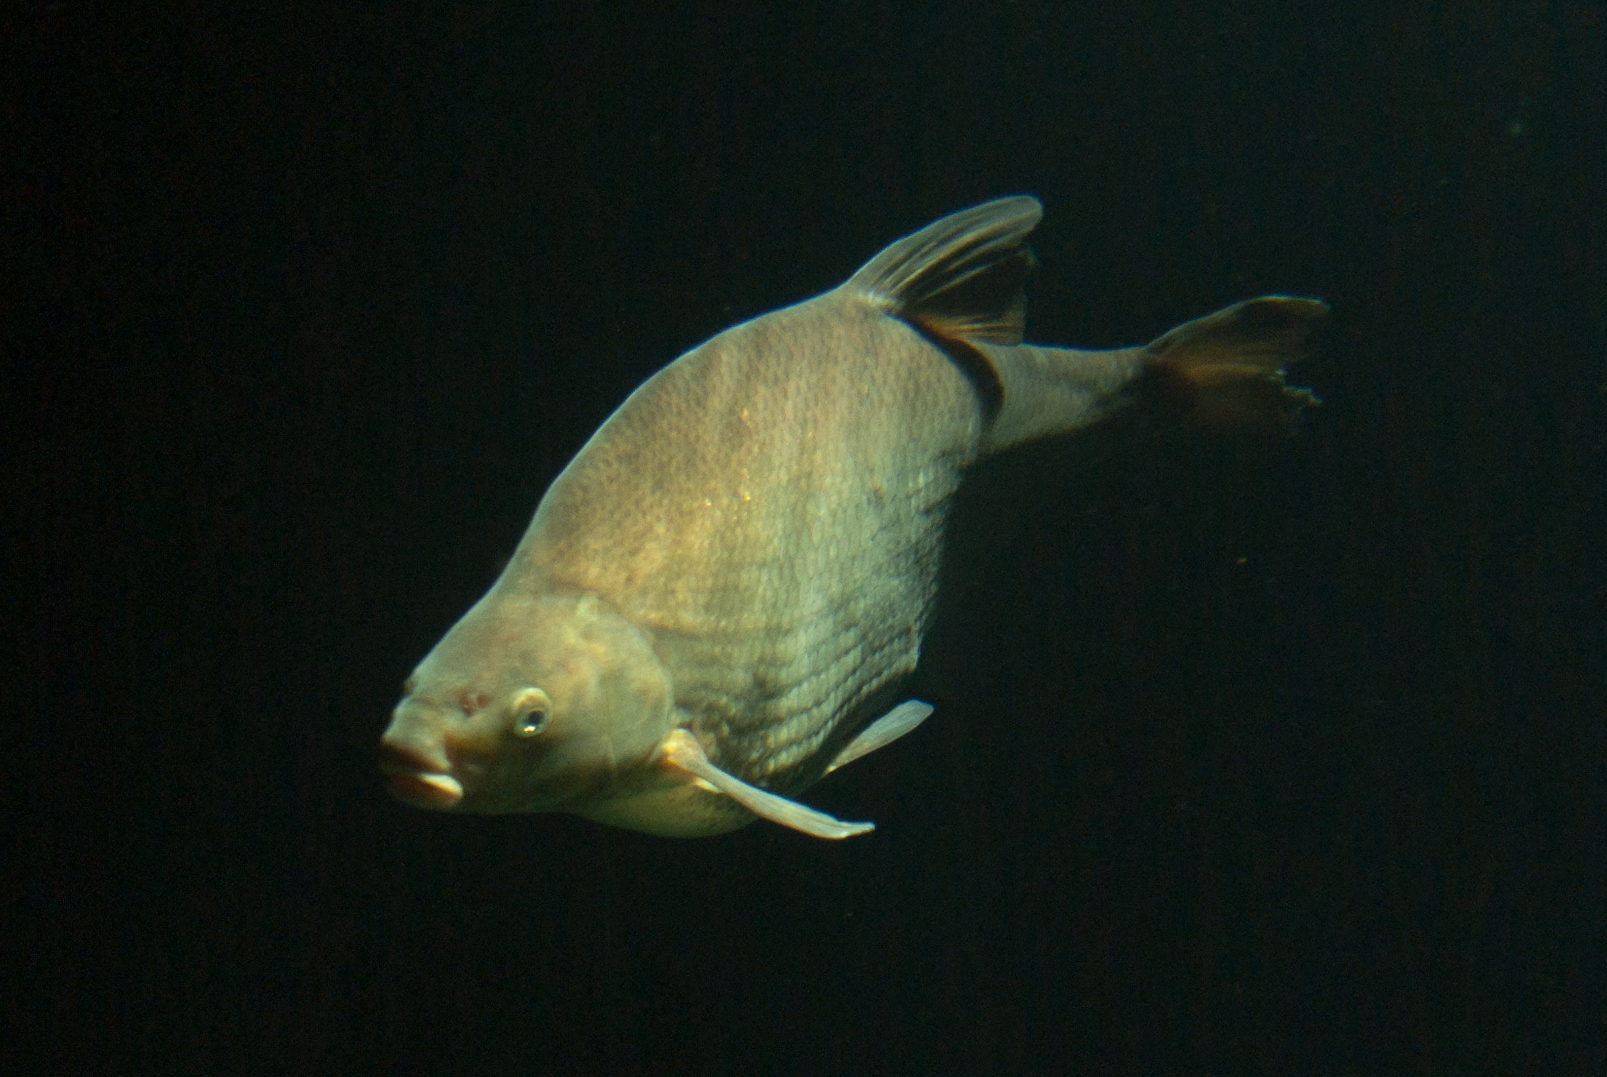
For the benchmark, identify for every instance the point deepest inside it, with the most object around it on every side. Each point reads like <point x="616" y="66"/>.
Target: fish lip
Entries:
<point x="424" y="789"/>
<point x="418" y="779"/>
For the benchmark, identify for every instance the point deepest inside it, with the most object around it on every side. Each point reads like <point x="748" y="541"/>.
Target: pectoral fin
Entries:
<point x="683" y="750"/>
<point x="883" y="731"/>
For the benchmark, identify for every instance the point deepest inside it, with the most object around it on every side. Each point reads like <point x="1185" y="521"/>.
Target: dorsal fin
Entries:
<point x="959" y="278"/>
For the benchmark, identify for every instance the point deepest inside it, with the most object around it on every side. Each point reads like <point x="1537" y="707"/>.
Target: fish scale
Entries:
<point x="735" y="573"/>
<point x="848" y="648"/>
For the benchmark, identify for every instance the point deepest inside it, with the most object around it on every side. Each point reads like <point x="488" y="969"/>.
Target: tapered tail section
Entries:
<point x="1228" y="368"/>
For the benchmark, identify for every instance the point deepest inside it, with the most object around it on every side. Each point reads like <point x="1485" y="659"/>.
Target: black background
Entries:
<point x="1249" y="756"/>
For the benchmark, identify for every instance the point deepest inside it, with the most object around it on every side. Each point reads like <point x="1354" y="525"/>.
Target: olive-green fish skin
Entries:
<point x="736" y="506"/>
<point x="748" y="549"/>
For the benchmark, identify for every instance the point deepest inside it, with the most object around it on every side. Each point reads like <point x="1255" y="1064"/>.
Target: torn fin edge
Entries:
<point x="1229" y="368"/>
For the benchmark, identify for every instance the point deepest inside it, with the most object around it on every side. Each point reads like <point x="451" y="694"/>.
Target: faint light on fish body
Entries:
<point x="720" y="598"/>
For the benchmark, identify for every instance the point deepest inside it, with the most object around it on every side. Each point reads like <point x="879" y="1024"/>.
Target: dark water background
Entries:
<point x="1249" y="756"/>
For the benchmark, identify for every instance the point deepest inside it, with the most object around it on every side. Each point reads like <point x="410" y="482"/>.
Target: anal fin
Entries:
<point x="682" y="749"/>
<point x="883" y="731"/>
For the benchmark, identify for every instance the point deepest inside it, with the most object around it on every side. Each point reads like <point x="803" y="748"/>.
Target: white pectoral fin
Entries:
<point x="883" y="731"/>
<point x="683" y="750"/>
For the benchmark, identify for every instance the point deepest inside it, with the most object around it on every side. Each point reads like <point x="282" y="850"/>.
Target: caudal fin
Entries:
<point x="1228" y="368"/>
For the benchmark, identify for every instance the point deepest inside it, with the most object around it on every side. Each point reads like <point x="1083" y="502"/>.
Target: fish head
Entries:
<point x="529" y="703"/>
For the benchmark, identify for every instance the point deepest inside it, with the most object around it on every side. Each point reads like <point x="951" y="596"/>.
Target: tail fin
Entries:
<point x="1228" y="368"/>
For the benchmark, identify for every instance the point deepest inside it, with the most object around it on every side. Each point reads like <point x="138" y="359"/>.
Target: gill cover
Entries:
<point x="529" y="704"/>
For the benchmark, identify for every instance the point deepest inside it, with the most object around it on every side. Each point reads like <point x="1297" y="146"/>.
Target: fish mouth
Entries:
<point x="438" y="791"/>
<point x="418" y="780"/>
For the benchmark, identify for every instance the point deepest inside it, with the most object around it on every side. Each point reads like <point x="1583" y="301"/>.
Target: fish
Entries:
<point x="721" y="597"/>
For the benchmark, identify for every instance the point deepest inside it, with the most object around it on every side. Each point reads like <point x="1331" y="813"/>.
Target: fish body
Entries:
<point x="726" y="586"/>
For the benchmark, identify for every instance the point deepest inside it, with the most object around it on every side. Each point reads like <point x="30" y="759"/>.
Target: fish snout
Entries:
<point x="417" y="779"/>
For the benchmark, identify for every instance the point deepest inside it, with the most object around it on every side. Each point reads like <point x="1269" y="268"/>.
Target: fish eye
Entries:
<point x="533" y="721"/>
<point x="531" y="712"/>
